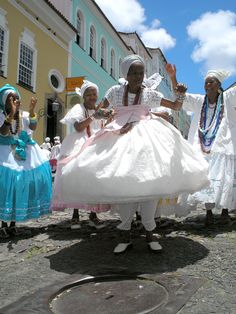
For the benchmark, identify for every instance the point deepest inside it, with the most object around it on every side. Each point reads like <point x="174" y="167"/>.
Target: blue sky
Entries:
<point x="196" y="35"/>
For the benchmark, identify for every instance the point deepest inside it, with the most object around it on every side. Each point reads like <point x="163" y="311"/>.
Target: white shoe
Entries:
<point x="75" y="224"/>
<point x="97" y="225"/>
<point x="154" y="246"/>
<point x="122" y="247"/>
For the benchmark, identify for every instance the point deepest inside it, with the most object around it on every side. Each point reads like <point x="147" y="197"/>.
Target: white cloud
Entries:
<point x="124" y="15"/>
<point x="158" y="38"/>
<point x="129" y="16"/>
<point x="215" y="33"/>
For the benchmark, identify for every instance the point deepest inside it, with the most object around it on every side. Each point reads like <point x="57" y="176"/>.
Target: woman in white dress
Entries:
<point x="135" y="159"/>
<point x="211" y="132"/>
<point x="25" y="174"/>
<point x="85" y="122"/>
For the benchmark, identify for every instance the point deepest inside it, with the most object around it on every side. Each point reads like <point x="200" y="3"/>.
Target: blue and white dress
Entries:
<point x="25" y="175"/>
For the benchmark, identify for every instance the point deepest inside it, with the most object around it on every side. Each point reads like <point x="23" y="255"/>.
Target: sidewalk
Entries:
<point x="49" y="251"/>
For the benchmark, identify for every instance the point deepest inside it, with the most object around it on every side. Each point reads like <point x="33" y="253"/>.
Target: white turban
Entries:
<point x="221" y="75"/>
<point x="86" y="84"/>
<point x="128" y="61"/>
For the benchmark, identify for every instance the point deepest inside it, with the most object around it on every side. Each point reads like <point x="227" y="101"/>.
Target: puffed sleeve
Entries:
<point x="76" y="113"/>
<point x="193" y="102"/>
<point x="112" y="94"/>
<point x="2" y="118"/>
<point x="230" y="102"/>
<point x="26" y="122"/>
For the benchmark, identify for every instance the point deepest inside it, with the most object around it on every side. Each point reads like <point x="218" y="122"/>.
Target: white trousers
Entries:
<point x="147" y="211"/>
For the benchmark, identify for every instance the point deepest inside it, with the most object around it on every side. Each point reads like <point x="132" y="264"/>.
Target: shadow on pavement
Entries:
<point x="196" y="226"/>
<point x="94" y="256"/>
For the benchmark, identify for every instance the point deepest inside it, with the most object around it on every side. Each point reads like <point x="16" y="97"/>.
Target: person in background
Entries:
<point x="46" y="144"/>
<point x="86" y="121"/>
<point x="55" y="152"/>
<point x="46" y="147"/>
<point x="212" y="133"/>
<point x="25" y="174"/>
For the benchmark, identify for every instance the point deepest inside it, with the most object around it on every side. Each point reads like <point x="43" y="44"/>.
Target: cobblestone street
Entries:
<point x="49" y="251"/>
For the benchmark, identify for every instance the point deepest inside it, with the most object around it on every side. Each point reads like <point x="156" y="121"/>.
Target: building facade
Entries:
<point x="179" y="118"/>
<point x="98" y="49"/>
<point x="137" y="46"/>
<point x="57" y="44"/>
<point x="35" y="40"/>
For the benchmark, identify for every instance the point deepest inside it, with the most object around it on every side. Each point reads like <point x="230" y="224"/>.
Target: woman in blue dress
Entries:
<point x="25" y="174"/>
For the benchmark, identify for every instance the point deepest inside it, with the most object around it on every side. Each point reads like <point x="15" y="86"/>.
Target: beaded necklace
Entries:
<point x="88" y="130"/>
<point x="137" y="97"/>
<point x="17" y="126"/>
<point x="208" y="133"/>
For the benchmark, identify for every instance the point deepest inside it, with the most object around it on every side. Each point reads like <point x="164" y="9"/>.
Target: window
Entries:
<point x="103" y="53"/>
<point x="92" y="43"/>
<point x="112" y="63"/>
<point x="2" y="44"/>
<point x="56" y="81"/>
<point x="120" y="73"/>
<point x="26" y="66"/>
<point x="80" y="29"/>
<point x="4" y="35"/>
<point x="27" y="60"/>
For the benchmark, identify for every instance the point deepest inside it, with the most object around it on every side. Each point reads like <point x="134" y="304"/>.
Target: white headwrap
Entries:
<point x="221" y="75"/>
<point x="5" y="95"/>
<point x="86" y="84"/>
<point x="128" y="61"/>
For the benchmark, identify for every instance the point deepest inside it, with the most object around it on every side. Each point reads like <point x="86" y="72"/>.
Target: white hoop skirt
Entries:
<point x="152" y="160"/>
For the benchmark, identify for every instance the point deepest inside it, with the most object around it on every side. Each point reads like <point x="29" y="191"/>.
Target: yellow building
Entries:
<point x="35" y="43"/>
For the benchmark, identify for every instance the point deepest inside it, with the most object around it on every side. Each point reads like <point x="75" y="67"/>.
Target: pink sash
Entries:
<point x="123" y="115"/>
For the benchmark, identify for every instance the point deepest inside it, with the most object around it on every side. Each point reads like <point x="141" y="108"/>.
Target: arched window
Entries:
<point x="103" y="53"/>
<point x="4" y="40"/>
<point x="80" y="29"/>
<point x="120" y="73"/>
<point x="112" y="63"/>
<point x="92" y="43"/>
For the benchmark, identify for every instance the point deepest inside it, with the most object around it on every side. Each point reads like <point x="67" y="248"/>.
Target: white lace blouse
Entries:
<point x="149" y="97"/>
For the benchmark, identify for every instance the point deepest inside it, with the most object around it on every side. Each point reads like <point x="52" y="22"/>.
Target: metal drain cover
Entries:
<point x="134" y="295"/>
<point x="113" y="294"/>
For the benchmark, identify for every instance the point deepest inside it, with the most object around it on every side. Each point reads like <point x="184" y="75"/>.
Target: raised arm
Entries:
<point x="171" y="70"/>
<point x="180" y="91"/>
<point x="32" y="114"/>
<point x="100" y="113"/>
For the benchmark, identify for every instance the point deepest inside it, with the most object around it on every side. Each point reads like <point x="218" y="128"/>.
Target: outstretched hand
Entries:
<point x="102" y="113"/>
<point x="181" y="88"/>
<point x="32" y="104"/>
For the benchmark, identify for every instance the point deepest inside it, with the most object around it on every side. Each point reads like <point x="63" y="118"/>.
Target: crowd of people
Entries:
<point x="123" y="155"/>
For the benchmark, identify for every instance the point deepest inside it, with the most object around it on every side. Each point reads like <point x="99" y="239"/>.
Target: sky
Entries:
<point x="195" y="35"/>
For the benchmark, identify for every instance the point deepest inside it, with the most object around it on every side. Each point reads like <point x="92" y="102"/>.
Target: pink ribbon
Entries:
<point x="122" y="116"/>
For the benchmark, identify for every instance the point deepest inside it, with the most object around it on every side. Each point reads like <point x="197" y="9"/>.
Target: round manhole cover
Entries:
<point x="127" y="295"/>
